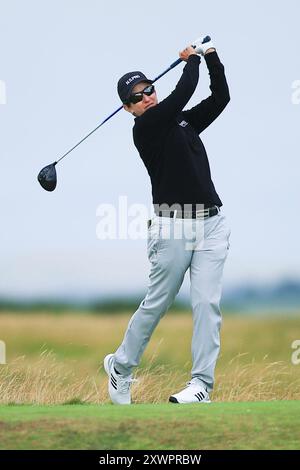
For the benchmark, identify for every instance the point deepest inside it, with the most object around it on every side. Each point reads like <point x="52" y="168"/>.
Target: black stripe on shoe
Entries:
<point x="200" y="396"/>
<point x="173" y="400"/>
<point x="113" y="382"/>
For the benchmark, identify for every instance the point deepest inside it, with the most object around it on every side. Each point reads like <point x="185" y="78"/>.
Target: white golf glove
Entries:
<point x="202" y="48"/>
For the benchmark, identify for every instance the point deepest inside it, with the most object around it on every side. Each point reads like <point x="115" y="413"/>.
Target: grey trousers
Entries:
<point x="174" y="245"/>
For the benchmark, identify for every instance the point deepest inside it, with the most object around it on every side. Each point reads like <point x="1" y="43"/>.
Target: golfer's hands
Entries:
<point x="185" y="54"/>
<point x="204" y="48"/>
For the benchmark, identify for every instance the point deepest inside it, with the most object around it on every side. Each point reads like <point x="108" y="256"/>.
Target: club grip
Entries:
<point x="174" y="64"/>
<point x="206" y="39"/>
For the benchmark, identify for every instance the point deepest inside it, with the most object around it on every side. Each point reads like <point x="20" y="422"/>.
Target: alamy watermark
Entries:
<point x="2" y="352"/>
<point x="295" y="98"/>
<point x="137" y="221"/>
<point x="295" y="359"/>
<point x="2" y="92"/>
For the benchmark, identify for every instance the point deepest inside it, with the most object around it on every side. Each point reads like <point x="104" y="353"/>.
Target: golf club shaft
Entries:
<point x="90" y="133"/>
<point x="174" y="64"/>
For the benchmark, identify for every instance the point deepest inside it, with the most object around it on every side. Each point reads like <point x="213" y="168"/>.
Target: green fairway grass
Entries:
<point x="251" y="425"/>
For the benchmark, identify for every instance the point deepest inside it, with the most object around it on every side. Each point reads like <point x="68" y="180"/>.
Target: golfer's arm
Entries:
<point x="202" y="115"/>
<point x="177" y="100"/>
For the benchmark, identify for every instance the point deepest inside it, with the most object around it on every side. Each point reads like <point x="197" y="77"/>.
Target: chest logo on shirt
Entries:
<point x="183" y="123"/>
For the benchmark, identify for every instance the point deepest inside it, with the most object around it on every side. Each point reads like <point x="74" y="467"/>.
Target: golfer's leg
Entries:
<point x="168" y="266"/>
<point x="206" y="284"/>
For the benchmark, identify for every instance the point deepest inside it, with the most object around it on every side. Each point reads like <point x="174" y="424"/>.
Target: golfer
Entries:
<point x="188" y="230"/>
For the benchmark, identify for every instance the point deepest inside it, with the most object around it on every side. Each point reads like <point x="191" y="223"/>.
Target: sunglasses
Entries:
<point x="137" y="97"/>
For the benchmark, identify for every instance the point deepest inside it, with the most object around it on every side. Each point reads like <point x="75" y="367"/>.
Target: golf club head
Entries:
<point x="47" y="177"/>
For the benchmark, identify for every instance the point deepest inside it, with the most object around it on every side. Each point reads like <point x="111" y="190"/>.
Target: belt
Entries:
<point x="200" y="214"/>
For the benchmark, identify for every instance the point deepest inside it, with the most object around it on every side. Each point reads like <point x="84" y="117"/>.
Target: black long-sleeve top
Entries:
<point x="168" y="142"/>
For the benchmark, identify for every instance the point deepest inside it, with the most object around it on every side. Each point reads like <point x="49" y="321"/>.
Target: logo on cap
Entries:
<point x="132" y="78"/>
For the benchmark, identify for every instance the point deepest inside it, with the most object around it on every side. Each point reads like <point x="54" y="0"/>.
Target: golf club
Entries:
<point x="47" y="177"/>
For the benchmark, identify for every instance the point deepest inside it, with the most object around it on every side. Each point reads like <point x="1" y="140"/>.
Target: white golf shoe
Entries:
<point x="193" y="393"/>
<point x="118" y="385"/>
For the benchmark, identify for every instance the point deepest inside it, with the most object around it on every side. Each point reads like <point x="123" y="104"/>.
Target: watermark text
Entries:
<point x="295" y="359"/>
<point x="136" y="221"/>
<point x="2" y="92"/>
<point x="2" y="352"/>
<point x="295" y="98"/>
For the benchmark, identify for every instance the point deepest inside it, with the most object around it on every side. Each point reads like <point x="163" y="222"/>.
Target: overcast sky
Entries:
<point x="59" y="65"/>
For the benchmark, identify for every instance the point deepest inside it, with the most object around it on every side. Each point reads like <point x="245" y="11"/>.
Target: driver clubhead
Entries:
<point x="47" y="177"/>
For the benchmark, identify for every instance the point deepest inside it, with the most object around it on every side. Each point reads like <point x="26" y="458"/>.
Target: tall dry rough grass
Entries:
<point x="48" y="381"/>
<point x="55" y="376"/>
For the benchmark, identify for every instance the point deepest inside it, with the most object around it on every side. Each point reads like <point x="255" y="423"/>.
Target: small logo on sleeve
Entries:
<point x="183" y="123"/>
